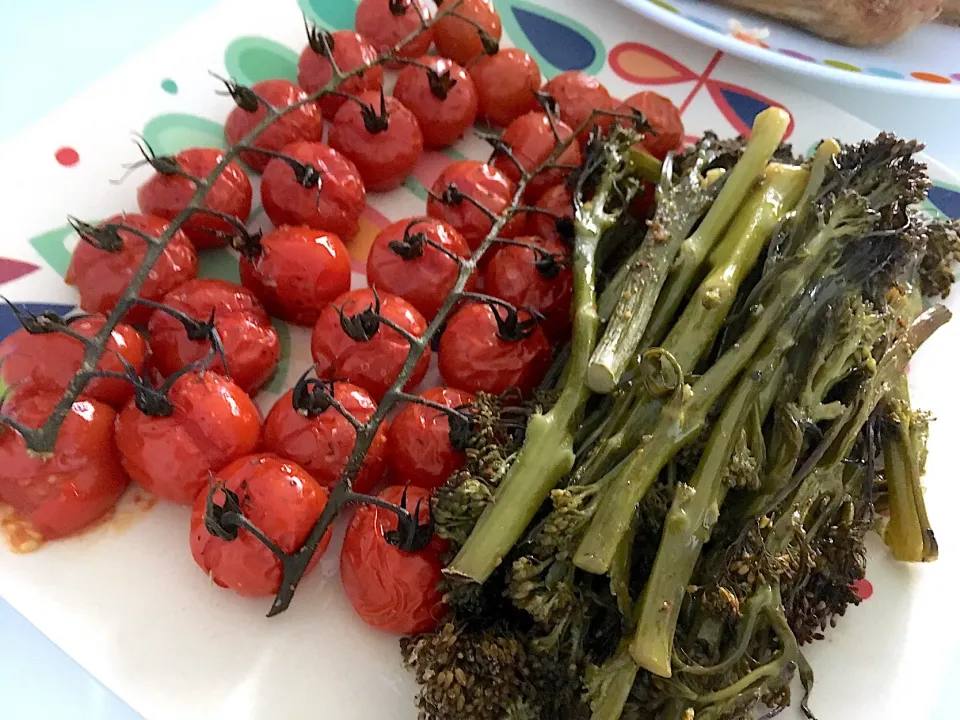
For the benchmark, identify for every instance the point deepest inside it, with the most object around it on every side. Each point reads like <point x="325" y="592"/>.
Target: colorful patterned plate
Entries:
<point x="925" y="62"/>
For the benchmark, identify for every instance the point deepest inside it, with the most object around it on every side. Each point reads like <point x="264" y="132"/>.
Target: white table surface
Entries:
<point x="37" y="680"/>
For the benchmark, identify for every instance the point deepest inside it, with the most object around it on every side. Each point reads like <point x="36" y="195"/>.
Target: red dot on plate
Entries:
<point x="67" y="156"/>
<point x="863" y="588"/>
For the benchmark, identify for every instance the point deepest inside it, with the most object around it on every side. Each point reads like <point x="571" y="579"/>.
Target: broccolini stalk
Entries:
<point x="649" y="268"/>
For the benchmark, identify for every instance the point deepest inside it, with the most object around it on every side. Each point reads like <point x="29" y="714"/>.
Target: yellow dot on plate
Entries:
<point x="359" y="245"/>
<point x="930" y="77"/>
<point x="664" y="5"/>
<point x="840" y="65"/>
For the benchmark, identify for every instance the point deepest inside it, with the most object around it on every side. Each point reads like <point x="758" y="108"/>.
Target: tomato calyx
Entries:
<point x="509" y="325"/>
<point x="312" y="396"/>
<point x="226" y="520"/>
<point x="248" y="244"/>
<point x="320" y="41"/>
<point x="453" y="196"/>
<point x="362" y="326"/>
<point x="196" y="330"/>
<point x="398" y="8"/>
<point x="104" y="237"/>
<point x="375" y="123"/>
<point x="410" y="247"/>
<point x="245" y="97"/>
<point x="410" y="535"/>
<point x="44" y="323"/>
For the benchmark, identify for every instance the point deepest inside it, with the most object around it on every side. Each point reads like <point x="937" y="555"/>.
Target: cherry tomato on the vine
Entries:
<point x="402" y="261"/>
<point x="489" y="350"/>
<point x="664" y="118"/>
<point x="386" y="23"/>
<point x="167" y="194"/>
<point x="350" y="51"/>
<point x="306" y="428"/>
<point x="391" y="589"/>
<point x="48" y="361"/>
<point x="282" y="500"/>
<point x="75" y="486"/>
<point x="249" y="339"/>
<point x="459" y="39"/>
<point x="101" y="276"/>
<point x="304" y="123"/>
<point x="418" y="443"/>
<point x="380" y="136"/>
<point x="578" y="95"/>
<point x="295" y="271"/>
<point x="334" y="205"/>
<point x="531" y="138"/>
<point x="443" y="98"/>
<point x="506" y="83"/>
<point x="372" y="361"/>
<point x="557" y="223"/>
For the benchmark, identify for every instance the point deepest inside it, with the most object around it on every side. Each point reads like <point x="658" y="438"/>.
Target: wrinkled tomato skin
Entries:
<point x="350" y="51"/>
<point x="458" y="39"/>
<point x="48" y="361"/>
<point x="297" y="272"/>
<point x="472" y="356"/>
<point x="101" y="277"/>
<point x="75" y="487"/>
<point x="383" y="29"/>
<point x="304" y="123"/>
<point x="558" y="200"/>
<point x="531" y="139"/>
<point x="250" y="341"/>
<point x="277" y="496"/>
<point x="578" y="95"/>
<point x="213" y="423"/>
<point x="443" y="121"/>
<point x="321" y="444"/>
<point x="418" y="443"/>
<point x="506" y="83"/>
<point x="664" y="118"/>
<point x="392" y="590"/>
<point x="231" y="194"/>
<point x="374" y="364"/>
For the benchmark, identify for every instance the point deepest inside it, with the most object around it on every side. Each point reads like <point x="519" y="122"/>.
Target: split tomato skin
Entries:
<point x="250" y="341"/>
<point x="296" y="272"/>
<point x="386" y="23"/>
<point x="392" y="590"/>
<point x="458" y="39"/>
<point x="335" y="206"/>
<point x="418" y="442"/>
<point x="506" y="83"/>
<point x="101" y="277"/>
<point x="350" y="51"/>
<point x="75" y="487"/>
<point x="48" y="361"/>
<point x="664" y="118"/>
<point x="321" y="443"/>
<point x="443" y="118"/>
<point x="578" y="95"/>
<point x="282" y="500"/>
<point x="532" y="141"/>
<point x="165" y="196"/>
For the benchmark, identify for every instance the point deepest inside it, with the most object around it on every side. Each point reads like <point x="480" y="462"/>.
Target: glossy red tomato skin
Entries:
<point x="383" y="159"/>
<point x="558" y="200"/>
<point x="531" y="139"/>
<point x="48" y="362"/>
<point x="350" y="51"/>
<point x="664" y="118"/>
<point x="213" y="423"/>
<point x="458" y="39"/>
<point x="322" y="444"/>
<point x="512" y="275"/>
<point x="166" y="195"/>
<point x="304" y="123"/>
<point x="472" y="356"/>
<point x="418" y="443"/>
<point x="375" y="364"/>
<point x="297" y="273"/>
<point x="277" y="496"/>
<point x="484" y="183"/>
<point x="79" y="484"/>
<point x="392" y="590"/>
<point x="506" y="83"/>
<point x="443" y="121"/>
<point x="578" y="95"/>
<point x="336" y="207"/>
<point x="384" y="30"/>
<point x="101" y="277"/>
<point x="250" y="341"/>
<point x="424" y="281"/>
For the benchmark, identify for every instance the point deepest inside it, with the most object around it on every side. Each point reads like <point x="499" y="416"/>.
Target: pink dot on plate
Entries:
<point x="956" y="76"/>
<point x="67" y="156"/>
<point x="863" y="588"/>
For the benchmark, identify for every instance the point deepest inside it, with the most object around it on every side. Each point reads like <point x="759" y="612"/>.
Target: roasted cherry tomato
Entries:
<point x="402" y="261"/>
<point x="249" y="339"/>
<point x="418" y="443"/>
<point x="391" y="589"/>
<point x="350" y="51"/>
<point x="282" y="500"/>
<point x="442" y="96"/>
<point x="531" y="139"/>
<point x="74" y="487"/>
<point x="296" y="271"/>
<point x="664" y="118"/>
<point x="101" y="277"/>
<point x="170" y="448"/>
<point x="540" y="279"/>
<point x="48" y="361"/>
<point x="166" y="194"/>
<point x="304" y="427"/>
<point x="557" y="223"/>
<point x="372" y="363"/>
<point x="459" y="39"/>
<point x="380" y="136"/>
<point x="386" y="23"/>
<point x="304" y="123"/>
<point x="506" y="83"/>
<point x="335" y="204"/>
<point x="578" y="95"/>
<point x="486" y="185"/>
<point x="487" y="350"/>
